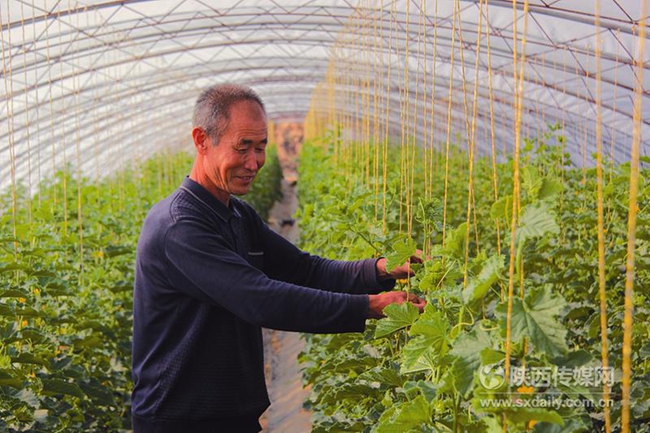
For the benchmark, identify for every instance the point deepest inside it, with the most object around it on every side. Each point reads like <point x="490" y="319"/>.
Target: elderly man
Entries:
<point x="210" y="274"/>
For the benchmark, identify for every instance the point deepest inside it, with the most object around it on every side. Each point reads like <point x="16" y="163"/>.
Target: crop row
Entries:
<point x="66" y="278"/>
<point x="445" y="370"/>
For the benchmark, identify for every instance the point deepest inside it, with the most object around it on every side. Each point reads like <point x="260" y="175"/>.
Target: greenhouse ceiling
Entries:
<point x="99" y="84"/>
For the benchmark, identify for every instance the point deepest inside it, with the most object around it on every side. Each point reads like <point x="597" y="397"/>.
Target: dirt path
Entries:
<point x="283" y="376"/>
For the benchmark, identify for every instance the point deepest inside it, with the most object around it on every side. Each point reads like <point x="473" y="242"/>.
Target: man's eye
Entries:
<point x="242" y="151"/>
<point x="259" y="150"/>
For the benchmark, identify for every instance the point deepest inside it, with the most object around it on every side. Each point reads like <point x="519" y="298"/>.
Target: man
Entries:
<point x="210" y="274"/>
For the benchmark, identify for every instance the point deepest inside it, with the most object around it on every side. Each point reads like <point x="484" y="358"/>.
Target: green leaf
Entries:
<point x="7" y="379"/>
<point x="402" y="252"/>
<point x="550" y="188"/>
<point x="406" y="416"/>
<point x="428" y="389"/>
<point x="524" y="414"/>
<point x="29" y="358"/>
<point x="57" y="386"/>
<point x="455" y="242"/>
<point x="493" y="425"/>
<point x="491" y="356"/>
<point x="28" y="312"/>
<point x="478" y="286"/>
<point x="572" y="425"/>
<point x="7" y="311"/>
<point x="117" y="250"/>
<point x="467" y="351"/>
<point x="429" y="341"/>
<point x="534" y="318"/>
<point x="536" y="221"/>
<point x="122" y="286"/>
<point x="99" y="394"/>
<point x="13" y="293"/>
<point x="398" y="316"/>
<point x="15" y="266"/>
<point x="530" y="180"/>
<point x="386" y="376"/>
<point x="502" y="208"/>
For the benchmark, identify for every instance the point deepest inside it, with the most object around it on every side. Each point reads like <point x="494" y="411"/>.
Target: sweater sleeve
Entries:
<point x="200" y="264"/>
<point x="285" y="262"/>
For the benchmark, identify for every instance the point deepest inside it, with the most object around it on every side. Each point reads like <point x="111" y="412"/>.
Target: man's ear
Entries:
<point x="201" y="140"/>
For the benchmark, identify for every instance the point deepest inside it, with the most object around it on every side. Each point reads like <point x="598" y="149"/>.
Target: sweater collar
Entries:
<point x="203" y="195"/>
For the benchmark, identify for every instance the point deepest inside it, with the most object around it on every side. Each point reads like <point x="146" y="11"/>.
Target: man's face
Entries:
<point x="233" y="163"/>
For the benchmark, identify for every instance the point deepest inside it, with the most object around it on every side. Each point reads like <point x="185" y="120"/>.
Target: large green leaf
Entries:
<point x="386" y="376"/>
<point x="406" y="416"/>
<point x="429" y="341"/>
<point x="534" y="319"/>
<point x="550" y="188"/>
<point x="8" y="379"/>
<point x="467" y="351"/>
<point x="6" y="310"/>
<point x="29" y="358"/>
<point x="455" y="242"/>
<point x="531" y="182"/>
<point x="98" y="393"/>
<point x="398" y="316"/>
<point x="402" y="252"/>
<point x="502" y="208"/>
<point x="536" y="221"/>
<point x="58" y="386"/>
<point x="479" y="285"/>
<point x="14" y="293"/>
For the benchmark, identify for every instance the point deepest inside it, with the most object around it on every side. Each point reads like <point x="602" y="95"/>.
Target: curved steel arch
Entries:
<point x="127" y="57"/>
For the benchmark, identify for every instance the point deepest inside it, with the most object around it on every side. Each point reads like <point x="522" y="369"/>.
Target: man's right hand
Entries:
<point x="379" y="302"/>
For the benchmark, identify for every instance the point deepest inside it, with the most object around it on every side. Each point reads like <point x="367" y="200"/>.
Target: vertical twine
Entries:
<point x="631" y="225"/>
<point x="519" y="84"/>
<point x="600" y="226"/>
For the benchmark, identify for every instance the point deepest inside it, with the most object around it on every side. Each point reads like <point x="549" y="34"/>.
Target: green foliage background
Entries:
<point x="66" y="294"/>
<point x="411" y="372"/>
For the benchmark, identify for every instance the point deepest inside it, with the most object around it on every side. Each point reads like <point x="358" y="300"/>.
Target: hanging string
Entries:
<point x="38" y="105"/>
<point x="404" y="112"/>
<point x="435" y="155"/>
<point x="27" y="201"/>
<point x="377" y="87"/>
<point x="63" y="135"/>
<point x="626" y="386"/>
<point x="387" y="117"/>
<point x="449" y="105"/>
<point x="76" y="90"/>
<point x="519" y="84"/>
<point x="600" y="227"/>
<point x="425" y="125"/>
<point x="7" y="71"/>
<point x="471" y="144"/>
<point x="492" y="128"/>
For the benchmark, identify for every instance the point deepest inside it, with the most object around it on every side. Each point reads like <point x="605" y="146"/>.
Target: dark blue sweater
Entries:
<point x="208" y="277"/>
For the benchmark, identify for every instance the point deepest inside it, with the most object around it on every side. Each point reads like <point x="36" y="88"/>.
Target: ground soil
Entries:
<point x="283" y="376"/>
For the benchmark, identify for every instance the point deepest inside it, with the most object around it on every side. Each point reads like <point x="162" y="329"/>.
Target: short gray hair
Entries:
<point x="212" y="108"/>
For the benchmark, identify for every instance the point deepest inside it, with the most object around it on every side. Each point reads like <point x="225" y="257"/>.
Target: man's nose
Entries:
<point x="251" y="163"/>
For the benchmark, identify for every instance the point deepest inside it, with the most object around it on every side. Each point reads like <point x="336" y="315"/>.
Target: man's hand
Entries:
<point x="379" y="302"/>
<point x="399" y="272"/>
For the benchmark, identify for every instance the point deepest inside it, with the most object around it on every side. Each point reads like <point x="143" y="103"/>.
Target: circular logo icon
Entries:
<point x="492" y="376"/>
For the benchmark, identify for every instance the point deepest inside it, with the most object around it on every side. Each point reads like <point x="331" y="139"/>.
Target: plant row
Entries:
<point x="445" y="370"/>
<point x="66" y="279"/>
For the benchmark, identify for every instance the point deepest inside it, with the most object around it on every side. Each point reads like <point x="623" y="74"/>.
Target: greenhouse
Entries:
<point x="450" y="233"/>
